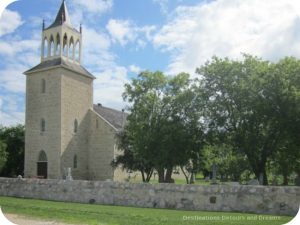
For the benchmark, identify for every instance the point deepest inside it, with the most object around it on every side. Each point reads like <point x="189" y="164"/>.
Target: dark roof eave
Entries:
<point x="58" y="66"/>
<point x="113" y="117"/>
<point x="35" y="70"/>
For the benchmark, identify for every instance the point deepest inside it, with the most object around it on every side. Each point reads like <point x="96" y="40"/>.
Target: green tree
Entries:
<point x="253" y="105"/>
<point x="230" y="164"/>
<point x="13" y="138"/>
<point x="3" y="154"/>
<point x="163" y="124"/>
<point x="130" y="160"/>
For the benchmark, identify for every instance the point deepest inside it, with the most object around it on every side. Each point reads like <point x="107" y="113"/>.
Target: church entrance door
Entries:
<point x="42" y="165"/>
<point x="42" y="170"/>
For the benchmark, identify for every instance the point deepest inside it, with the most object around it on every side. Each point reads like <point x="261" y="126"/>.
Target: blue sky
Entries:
<point x="124" y="37"/>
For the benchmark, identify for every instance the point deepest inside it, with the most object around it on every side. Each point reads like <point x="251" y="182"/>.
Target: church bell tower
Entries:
<point x="60" y="39"/>
<point x="59" y="96"/>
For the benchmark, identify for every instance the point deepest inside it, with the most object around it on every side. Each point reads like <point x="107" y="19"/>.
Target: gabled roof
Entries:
<point x="60" y="62"/>
<point x="62" y="17"/>
<point x="115" y="117"/>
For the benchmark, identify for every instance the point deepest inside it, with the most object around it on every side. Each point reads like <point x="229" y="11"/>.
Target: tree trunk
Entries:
<point x="262" y="172"/>
<point x="185" y="175"/>
<point x="192" y="178"/>
<point x="149" y="175"/>
<point x="165" y="175"/>
<point x="168" y="177"/>
<point x="143" y="175"/>
<point x="285" y="179"/>
<point x="161" y="175"/>
<point x="265" y="177"/>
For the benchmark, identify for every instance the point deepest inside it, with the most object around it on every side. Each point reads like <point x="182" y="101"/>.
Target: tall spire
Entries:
<point x="62" y="16"/>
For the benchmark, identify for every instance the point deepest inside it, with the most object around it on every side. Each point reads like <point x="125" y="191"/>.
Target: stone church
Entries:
<point x="64" y="129"/>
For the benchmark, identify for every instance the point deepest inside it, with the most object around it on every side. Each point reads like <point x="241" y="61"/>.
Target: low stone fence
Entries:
<point x="238" y="198"/>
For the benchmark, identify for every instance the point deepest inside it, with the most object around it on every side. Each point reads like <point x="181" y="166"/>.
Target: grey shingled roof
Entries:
<point x="62" y="17"/>
<point x="61" y="62"/>
<point x="113" y="116"/>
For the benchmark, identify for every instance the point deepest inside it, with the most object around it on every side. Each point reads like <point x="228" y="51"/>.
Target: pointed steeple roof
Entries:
<point x="62" y="16"/>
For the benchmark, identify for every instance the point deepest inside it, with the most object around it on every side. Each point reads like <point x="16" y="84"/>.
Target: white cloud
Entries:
<point x="109" y="86"/>
<point x="11" y="118"/>
<point x="268" y="28"/>
<point x="10" y="111"/>
<point x="125" y="31"/>
<point x="9" y="22"/>
<point x="13" y="47"/>
<point x="12" y="78"/>
<point x="122" y="31"/>
<point x="94" y="6"/>
<point x="163" y="4"/>
<point x="96" y="49"/>
<point x="95" y="41"/>
<point x="134" y="69"/>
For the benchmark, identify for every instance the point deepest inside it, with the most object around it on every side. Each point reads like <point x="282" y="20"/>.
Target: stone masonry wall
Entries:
<point x="101" y="148"/>
<point x="47" y="106"/>
<point x="76" y="100"/>
<point x="252" y="199"/>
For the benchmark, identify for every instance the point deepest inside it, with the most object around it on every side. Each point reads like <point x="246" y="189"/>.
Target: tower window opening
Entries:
<point x="71" y="49"/>
<point x="52" y="51"/>
<point x="75" y="162"/>
<point x="58" y="46"/>
<point x="45" y="47"/>
<point x="43" y="125"/>
<point x="75" y="126"/>
<point x="65" y="45"/>
<point x="43" y="86"/>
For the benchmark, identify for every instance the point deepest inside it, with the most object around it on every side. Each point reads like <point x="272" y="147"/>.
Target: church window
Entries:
<point x="75" y="126"/>
<point x="43" y="125"/>
<point x="97" y="124"/>
<point x="75" y="162"/>
<point x="45" y="47"/>
<point x="43" y="86"/>
<point x="42" y="156"/>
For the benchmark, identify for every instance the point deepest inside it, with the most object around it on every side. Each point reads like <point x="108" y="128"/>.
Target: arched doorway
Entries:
<point x="42" y="165"/>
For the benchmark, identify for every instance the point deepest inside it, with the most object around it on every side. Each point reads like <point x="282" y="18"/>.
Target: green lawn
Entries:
<point x="115" y="215"/>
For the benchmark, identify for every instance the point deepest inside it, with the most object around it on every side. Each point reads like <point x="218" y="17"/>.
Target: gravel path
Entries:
<point x="22" y="220"/>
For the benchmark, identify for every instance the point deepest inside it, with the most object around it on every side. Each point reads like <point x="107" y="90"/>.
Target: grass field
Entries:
<point x="114" y="215"/>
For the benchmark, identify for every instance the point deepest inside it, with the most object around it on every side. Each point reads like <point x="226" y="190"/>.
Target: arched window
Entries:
<point x="52" y="52"/>
<point x="75" y="162"/>
<point x="43" y="125"/>
<point x="43" y="86"/>
<point x="58" y="46"/>
<point x="77" y="51"/>
<point x="97" y="123"/>
<point x="45" y="47"/>
<point x="42" y="156"/>
<point x="75" y="126"/>
<point x="71" y="49"/>
<point x="65" y="45"/>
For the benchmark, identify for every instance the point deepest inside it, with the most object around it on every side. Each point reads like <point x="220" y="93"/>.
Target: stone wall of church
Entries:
<point x="240" y="198"/>
<point x="77" y="100"/>
<point x="101" y="148"/>
<point x="45" y="106"/>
